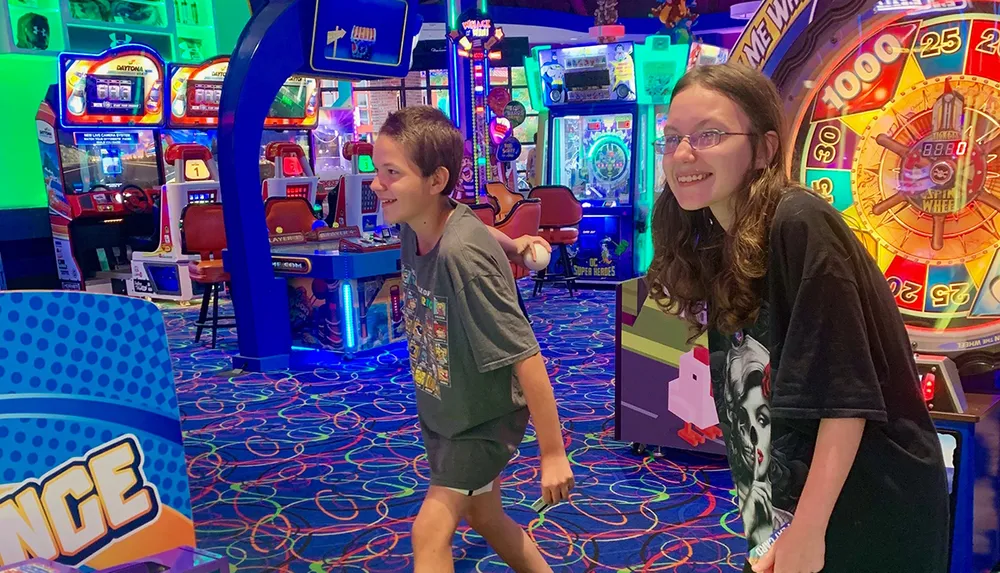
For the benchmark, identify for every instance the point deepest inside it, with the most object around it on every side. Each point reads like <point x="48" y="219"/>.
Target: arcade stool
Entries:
<point x="560" y="218"/>
<point x="521" y="220"/>
<point x="205" y="234"/>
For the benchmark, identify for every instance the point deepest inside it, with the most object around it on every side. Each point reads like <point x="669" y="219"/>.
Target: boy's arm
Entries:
<point x="515" y="248"/>
<point x="557" y="477"/>
<point x="803" y="544"/>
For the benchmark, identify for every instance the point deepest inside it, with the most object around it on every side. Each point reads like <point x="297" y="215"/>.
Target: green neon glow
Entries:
<point x="643" y="252"/>
<point x="23" y="184"/>
<point x="452" y="15"/>
<point x="481" y="161"/>
<point x="365" y="164"/>
<point x="483" y="6"/>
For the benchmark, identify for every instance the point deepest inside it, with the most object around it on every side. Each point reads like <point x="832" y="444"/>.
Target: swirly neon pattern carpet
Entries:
<point x="324" y="470"/>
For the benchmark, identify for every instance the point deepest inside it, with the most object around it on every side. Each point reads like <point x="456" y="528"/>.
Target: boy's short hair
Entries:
<point x="429" y="139"/>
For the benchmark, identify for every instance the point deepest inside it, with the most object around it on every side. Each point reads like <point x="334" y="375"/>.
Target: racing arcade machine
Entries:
<point x="195" y="93"/>
<point x="163" y="274"/>
<point x="98" y="142"/>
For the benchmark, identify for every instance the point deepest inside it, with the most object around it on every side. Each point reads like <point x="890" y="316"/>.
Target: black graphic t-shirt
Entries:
<point x="829" y="343"/>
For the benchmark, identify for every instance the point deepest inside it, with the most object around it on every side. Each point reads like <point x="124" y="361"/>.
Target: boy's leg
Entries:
<point x="434" y="529"/>
<point x="486" y="516"/>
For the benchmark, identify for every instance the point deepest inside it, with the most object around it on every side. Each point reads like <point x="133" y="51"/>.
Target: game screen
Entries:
<point x="901" y="133"/>
<point x="170" y="136"/>
<point x="588" y="73"/>
<point x="121" y="87"/>
<point x="592" y="155"/>
<point x="295" y="104"/>
<point x="110" y="158"/>
<point x="297" y="136"/>
<point x="196" y="93"/>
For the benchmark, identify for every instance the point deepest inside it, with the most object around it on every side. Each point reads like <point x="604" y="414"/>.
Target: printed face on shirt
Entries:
<point x="402" y="189"/>
<point x="710" y="176"/>
<point x="755" y="424"/>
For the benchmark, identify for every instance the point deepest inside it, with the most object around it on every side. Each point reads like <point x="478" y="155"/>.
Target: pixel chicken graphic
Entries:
<point x="690" y="398"/>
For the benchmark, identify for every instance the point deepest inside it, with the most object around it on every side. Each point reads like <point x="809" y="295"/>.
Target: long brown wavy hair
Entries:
<point x="710" y="277"/>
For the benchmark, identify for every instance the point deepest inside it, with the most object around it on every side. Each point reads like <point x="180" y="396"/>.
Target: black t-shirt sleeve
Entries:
<point x="822" y="360"/>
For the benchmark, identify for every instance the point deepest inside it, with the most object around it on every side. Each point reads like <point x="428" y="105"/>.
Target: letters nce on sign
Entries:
<point x="79" y="507"/>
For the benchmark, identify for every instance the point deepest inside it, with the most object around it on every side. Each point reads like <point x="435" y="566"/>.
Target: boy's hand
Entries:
<point x="557" y="478"/>
<point x="522" y="248"/>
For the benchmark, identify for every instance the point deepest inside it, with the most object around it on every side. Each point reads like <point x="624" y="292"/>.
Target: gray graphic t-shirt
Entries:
<point x="465" y="331"/>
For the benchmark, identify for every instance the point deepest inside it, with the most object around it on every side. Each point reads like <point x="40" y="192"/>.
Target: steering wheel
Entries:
<point x="135" y="199"/>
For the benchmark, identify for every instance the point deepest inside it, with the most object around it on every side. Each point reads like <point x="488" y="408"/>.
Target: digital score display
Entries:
<point x="120" y="87"/>
<point x="939" y="148"/>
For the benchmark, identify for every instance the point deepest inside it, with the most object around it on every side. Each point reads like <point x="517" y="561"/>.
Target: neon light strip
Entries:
<point x="347" y="313"/>
<point x="453" y="14"/>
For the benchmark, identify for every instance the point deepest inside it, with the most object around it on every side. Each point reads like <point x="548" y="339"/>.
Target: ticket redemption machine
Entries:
<point x="97" y="134"/>
<point x="357" y="205"/>
<point x="293" y="176"/>
<point x="606" y="105"/>
<point x="895" y="110"/>
<point x="163" y="274"/>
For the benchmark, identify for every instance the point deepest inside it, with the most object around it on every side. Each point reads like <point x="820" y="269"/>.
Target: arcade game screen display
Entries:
<point x="593" y="157"/>
<point x="110" y="158"/>
<point x="293" y="99"/>
<point x="901" y="131"/>
<point x="170" y="136"/>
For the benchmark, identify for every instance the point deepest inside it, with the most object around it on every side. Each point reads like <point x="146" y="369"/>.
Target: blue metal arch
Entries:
<point x="274" y="45"/>
<point x="265" y="56"/>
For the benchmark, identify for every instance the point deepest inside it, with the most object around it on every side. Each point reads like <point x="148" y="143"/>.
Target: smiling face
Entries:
<point x="710" y="177"/>
<point x="405" y="194"/>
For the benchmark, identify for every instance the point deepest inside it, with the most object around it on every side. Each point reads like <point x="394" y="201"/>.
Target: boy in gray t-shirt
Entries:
<point x="475" y="361"/>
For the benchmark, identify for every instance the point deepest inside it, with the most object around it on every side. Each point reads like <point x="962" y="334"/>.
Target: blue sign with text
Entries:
<point x="374" y="38"/>
<point x="509" y="150"/>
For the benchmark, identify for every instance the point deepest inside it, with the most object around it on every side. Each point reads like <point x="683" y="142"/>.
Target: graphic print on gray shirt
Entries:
<point x="465" y="330"/>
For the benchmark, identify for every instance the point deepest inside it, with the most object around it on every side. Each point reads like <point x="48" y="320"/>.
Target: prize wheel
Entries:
<point x="609" y="160"/>
<point x="896" y="121"/>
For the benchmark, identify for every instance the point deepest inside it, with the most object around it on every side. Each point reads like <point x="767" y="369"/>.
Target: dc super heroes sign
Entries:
<point x="79" y="507"/>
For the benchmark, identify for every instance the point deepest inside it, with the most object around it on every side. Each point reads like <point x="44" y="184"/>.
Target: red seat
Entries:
<point x="520" y="221"/>
<point x="205" y="234"/>
<point x="561" y="216"/>
<point x="485" y="212"/>
<point x="290" y="214"/>
<point x="504" y="198"/>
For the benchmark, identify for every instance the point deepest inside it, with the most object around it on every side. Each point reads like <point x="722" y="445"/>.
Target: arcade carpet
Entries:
<point x="324" y="470"/>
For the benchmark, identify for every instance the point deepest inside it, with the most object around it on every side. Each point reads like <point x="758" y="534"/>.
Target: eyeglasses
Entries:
<point x="698" y="140"/>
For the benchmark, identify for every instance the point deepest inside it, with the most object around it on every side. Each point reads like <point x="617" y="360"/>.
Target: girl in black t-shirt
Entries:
<point x="835" y="459"/>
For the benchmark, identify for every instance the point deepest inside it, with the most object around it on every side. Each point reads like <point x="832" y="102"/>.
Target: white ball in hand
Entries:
<point x="536" y="258"/>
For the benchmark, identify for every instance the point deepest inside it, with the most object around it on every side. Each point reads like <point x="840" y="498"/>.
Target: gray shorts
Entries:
<point x="473" y="459"/>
